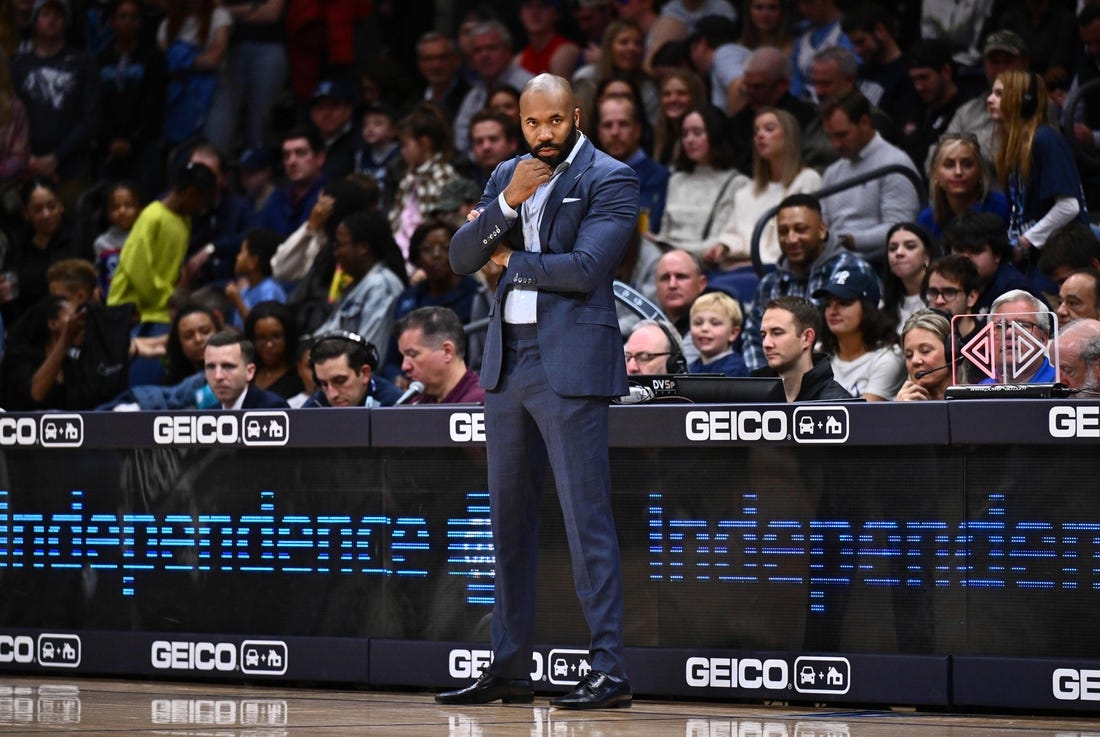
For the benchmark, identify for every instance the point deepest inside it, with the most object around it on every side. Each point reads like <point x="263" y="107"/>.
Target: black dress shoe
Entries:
<point x="597" y="690"/>
<point x="488" y="688"/>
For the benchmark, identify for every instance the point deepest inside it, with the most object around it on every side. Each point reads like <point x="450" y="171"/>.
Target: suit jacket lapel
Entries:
<point x="562" y="188"/>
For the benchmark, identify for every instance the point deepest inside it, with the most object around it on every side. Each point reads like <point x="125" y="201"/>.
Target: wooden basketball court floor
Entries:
<point x="119" y="708"/>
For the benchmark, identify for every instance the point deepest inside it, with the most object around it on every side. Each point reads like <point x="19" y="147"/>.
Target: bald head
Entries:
<point x="1079" y="354"/>
<point x="769" y="61"/>
<point x="549" y="117"/>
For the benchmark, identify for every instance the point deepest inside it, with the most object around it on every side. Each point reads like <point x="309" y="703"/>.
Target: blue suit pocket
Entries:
<point x="596" y="316"/>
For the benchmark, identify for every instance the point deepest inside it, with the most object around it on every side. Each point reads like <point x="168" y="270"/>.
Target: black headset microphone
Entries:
<point x="925" y="372"/>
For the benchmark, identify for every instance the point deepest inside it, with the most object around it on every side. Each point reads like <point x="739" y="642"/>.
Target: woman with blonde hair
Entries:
<point x="681" y="91"/>
<point x="959" y="182"/>
<point x="621" y="55"/>
<point x="1035" y="165"/>
<point x="926" y="341"/>
<point x="777" y="171"/>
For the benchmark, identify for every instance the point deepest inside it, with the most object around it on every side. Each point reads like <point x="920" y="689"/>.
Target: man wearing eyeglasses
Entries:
<point x="1021" y="323"/>
<point x="648" y="349"/>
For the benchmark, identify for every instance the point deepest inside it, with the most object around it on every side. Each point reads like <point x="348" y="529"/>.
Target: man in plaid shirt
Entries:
<point x="810" y="257"/>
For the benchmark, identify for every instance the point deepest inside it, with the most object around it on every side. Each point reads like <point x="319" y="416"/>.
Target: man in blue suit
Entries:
<point x="230" y="364"/>
<point x="553" y="358"/>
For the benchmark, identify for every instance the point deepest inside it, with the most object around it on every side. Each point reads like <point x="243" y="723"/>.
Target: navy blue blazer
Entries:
<point x="586" y="227"/>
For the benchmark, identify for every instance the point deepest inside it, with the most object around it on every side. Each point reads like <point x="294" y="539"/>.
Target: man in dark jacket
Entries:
<point x="790" y="328"/>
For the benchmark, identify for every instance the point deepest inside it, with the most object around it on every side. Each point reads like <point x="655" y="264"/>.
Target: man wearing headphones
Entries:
<point x="343" y="366"/>
<point x="654" y="347"/>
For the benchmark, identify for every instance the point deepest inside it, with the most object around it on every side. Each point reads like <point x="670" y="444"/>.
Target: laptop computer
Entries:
<point x="712" y="388"/>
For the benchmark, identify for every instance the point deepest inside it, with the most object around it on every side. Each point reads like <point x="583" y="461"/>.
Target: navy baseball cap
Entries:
<point x="850" y="284"/>
<point x="331" y="88"/>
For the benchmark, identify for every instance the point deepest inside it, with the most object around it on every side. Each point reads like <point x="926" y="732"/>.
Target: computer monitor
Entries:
<point x="712" y="388"/>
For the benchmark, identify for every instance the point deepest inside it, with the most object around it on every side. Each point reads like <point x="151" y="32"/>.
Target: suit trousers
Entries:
<point x="527" y="423"/>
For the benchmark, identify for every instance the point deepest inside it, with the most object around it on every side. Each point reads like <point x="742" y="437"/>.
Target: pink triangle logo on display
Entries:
<point x="1026" y="350"/>
<point x="979" y="351"/>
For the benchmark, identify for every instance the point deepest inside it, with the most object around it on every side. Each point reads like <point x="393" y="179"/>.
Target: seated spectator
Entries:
<point x="185" y="350"/>
<point x="909" y="250"/>
<point x="342" y="365"/>
<point x="439" y="63"/>
<point x="1079" y="356"/>
<point x="1079" y="296"/>
<point x="619" y="133"/>
<point x="835" y="75"/>
<point x="777" y="171"/>
<point x="959" y="182"/>
<point x="926" y="341"/>
<point x="123" y="204"/>
<point x="789" y="328"/>
<point x="546" y="50"/>
<point x="436" y="285"/>
<point x="254" y="283"/>
<point x="620" y="58"/>
<point x="45" y="240"/>
<point x="494" y="137"/>
<point x="681" y="91"/>
<point x="1070" y="248"/>
<point x="379" y="154"/>
<point x="366" y="252"/>
<point x="715" y="327"/>
<point x="15" y="144"/>
<point x="766" y="84"/>
<point x="860" y="340"/>
<point x="822" y="24"/>
<point x="873" y="31"/>
<point x="271" y="328"/>
<point x="934" y="76"/>
<point x="330" y="113"/>
<point x="860" y="216"/>
<point x="716" y="56"/>
<point x="699" y="200"/>
<point x="981" y="237"/>
<point x="680" y="281"/>
<point x="810" y="258"/>
<point x="1017" y="310"/>
<point x="288" y="207"/>
<point x="37" y="358"/>
<point x="433" y="348"/>
<point x="654" y="347"/>
<point x="951" y="286"/>
<point x="230" y="363"/>
<point x="426" y="152"/>
<point x="223" y="223"/>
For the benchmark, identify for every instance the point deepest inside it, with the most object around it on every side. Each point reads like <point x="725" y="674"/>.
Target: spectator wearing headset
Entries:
<point x="343" y="365"/>
<point x="654" y="347"/>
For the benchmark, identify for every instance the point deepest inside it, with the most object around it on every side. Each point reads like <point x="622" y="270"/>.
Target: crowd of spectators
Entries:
<point x="201" y="194"/>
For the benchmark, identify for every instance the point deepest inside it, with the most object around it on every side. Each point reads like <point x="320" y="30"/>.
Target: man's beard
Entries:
<point x="561" y="154"/>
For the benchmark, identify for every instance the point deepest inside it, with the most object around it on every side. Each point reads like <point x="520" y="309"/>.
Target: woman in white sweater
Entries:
<point x="699" y="199"/>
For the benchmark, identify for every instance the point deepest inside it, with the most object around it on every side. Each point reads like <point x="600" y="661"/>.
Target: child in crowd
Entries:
<point x="123" y="204"/>
<point x="380" y="155"/>
<point x="715" y="324"/>
<point x="253" y="267"/>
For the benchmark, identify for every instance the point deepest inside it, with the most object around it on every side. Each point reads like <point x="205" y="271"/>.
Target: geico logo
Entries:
<point x="193" y="711"/>
<point x="1074" y="422"/>
<point x="1076" y="685"/>
<point x="18" y="431"/>
<point x="468" y="663"/>
<point x="19" y="649"/>
<point x="727" y="728"/>
<point x="195" y="429"/>
<point x="467" y="427"/>
<point x="194" y="655"/>
<point x="737" y="673"/>
<point x="743" y="425"/>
